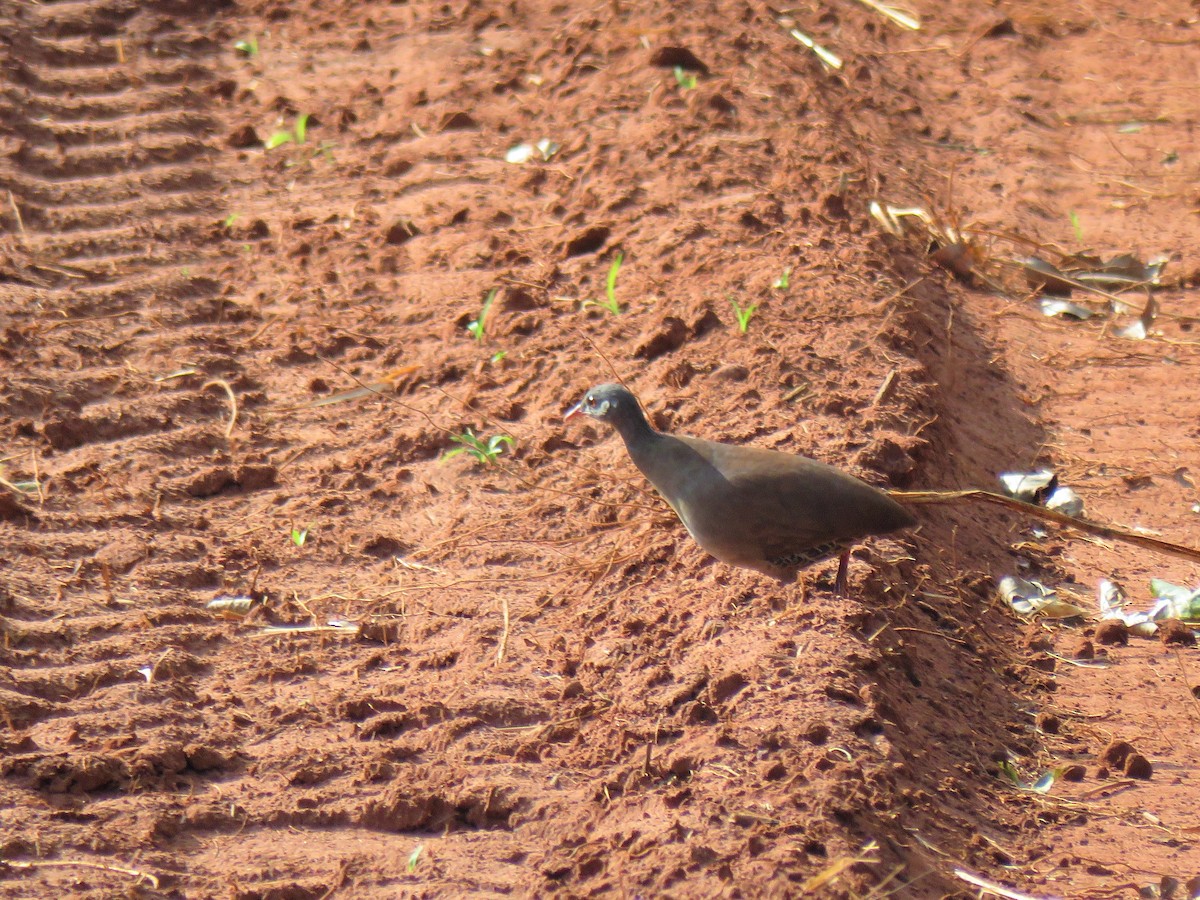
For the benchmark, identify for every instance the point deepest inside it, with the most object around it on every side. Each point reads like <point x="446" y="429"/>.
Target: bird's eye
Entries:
<point x="591" y="401"/>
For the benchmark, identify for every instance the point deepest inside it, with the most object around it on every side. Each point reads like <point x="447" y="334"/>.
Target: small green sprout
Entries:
<point x="610" y="288"/>
<point x="499" y="355"/>
<point x="478" y="326"/>
<point x="781" y="283"/>
<point x="1076" y="226"/>
<point x="743" y="315"/>
<point x="230" y="220"/>
<point x="414" y="858"/>
<point x="484" y="451"/>
<point x="299" y="536"/>
<point x="250" y="47"/>
<point x="685" y="79"/>
<point x="297" y="135"/>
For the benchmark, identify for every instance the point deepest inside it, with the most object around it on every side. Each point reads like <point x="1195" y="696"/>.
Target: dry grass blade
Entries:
<point x="366" y="390"/>
<point x="903" y="19"/>
<point x="991" y="887"/>
<point x="350" y="628"/>
<point x="831" y="872"/>
<point x="151" y="880"/>
<point x="17" y="212"/>
<point x="503" y="648"/>
<point x="826" y="57"/>
<point x="1039" y="512"/>
<point x="233" y="411"/>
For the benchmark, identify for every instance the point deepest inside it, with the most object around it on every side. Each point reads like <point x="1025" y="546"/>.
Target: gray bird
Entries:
<point x="759" y="509"/>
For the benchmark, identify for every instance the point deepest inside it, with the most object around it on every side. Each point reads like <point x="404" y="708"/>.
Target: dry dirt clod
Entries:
<point x="1137" y="766"/>
<point x="1049" y="723"/>
<point x="1173" y="631"/>
<point x="1083" y="649"/>
<point x="1115" y="754"/>
<point x="1112" y="631"/>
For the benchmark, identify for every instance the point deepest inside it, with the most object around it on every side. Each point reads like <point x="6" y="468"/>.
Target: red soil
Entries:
<point x="544" y="685"/>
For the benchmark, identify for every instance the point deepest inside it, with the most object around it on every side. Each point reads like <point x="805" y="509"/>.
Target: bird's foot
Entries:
<point x="841" y="584"/>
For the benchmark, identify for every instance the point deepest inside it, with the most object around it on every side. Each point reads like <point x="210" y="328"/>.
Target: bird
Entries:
<point x="766" y="510"/>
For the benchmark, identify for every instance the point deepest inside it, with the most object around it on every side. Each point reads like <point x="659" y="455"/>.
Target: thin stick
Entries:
<point x="602" y="355"/>
<point x="83" y="864"/>
<point x="1049" y="515"/>
<point x="998" y="889"/>
<point x="885" y="387"/>
<point x="233" y="412"/>
<point x="17" y="211"/>
<point x="500" y="651"/>
<point x="37" y="478"/>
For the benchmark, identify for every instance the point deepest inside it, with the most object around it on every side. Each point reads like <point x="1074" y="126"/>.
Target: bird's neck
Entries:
<point x="640" y="439"/>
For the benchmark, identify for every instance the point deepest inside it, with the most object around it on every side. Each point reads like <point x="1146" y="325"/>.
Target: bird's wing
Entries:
<point x="793" y="503"/>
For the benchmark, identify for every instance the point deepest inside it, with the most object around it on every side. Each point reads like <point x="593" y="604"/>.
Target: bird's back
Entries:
<point x="762" y="508"/>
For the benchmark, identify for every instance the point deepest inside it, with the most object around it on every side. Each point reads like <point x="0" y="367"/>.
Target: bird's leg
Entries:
<point x="841" y="583"/>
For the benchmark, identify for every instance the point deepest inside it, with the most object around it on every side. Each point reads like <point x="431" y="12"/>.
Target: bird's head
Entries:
<point x="609" y="403"/>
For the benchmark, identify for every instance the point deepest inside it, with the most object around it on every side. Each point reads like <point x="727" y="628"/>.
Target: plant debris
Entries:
<point x="1171" y="602"/>
<point x="523" y="153"/>
<point x="1032" y="598"/>
<point x="1041" y="786"/>
<point x="387" y="384"/>
<point x="1086" y="272"/>
<point x="1057" y="306"/>
<point x="231" y="607"/>
<point x="1031" y="487"/>
<point x="1103" y="278"/>
<point x="828" y="59"/>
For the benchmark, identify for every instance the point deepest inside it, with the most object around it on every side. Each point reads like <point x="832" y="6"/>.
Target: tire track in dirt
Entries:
<point x="107" y="187"/>
<point x="85" y="194"/>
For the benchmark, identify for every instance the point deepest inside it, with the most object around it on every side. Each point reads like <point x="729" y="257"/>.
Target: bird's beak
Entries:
<point x="576" y="410"/>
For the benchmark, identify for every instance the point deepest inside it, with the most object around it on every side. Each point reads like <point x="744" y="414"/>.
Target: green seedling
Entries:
<point x="25" y="487"/>
<point x="230" y="220"/>
<point x="484" y="451"/>
<point x="478" y="326"/>
<point x="499" y="355"/>
<point x="610" y="288"/>
<point x="250" y="47"/>
<point x="299" y="536"/>
<point x="414" y="858"/>
<point x="685" y="79"/>
<point x="781" y="283"/>
<point x="297" y="135"/>
<point x="325" y="149"/>
<point x="743" y="315"/>
<point x="1078" y="228"/>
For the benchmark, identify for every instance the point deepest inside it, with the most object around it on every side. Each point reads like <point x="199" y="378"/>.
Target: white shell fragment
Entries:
<point x="1027" y="486"/>
<point x="523" y="153"/>
<point x="1056" y="306"/>
<point x="1065" y="501"/>
<point x="1032" y="598"/>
